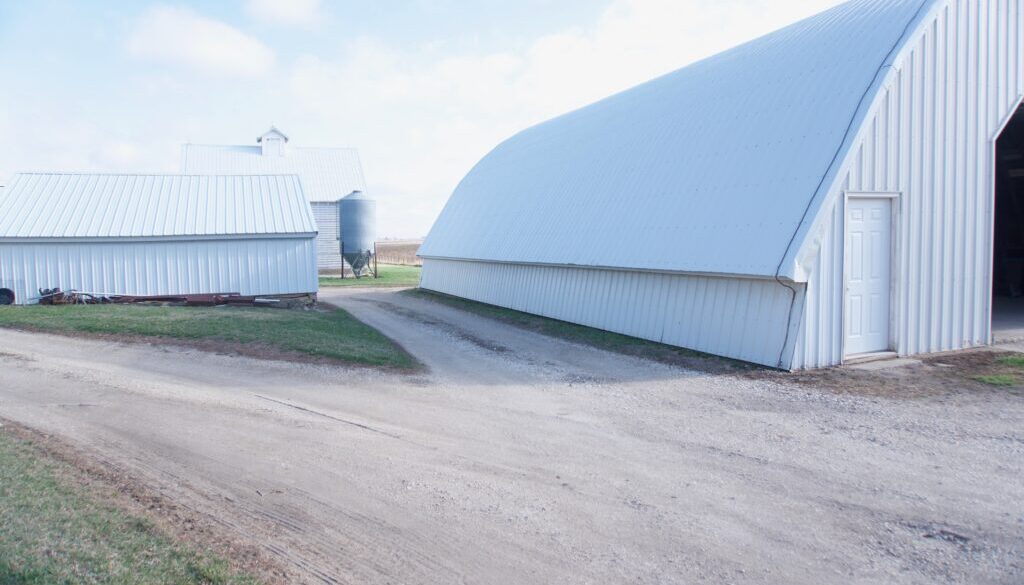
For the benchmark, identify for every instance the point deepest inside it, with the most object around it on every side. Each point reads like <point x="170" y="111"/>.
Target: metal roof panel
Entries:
<point x="709" y="169"/>
<point x="61" y="205"/>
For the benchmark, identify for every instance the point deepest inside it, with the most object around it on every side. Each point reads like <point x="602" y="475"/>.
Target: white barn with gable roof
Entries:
<point x="823" y="193"/>
<point x="145" y="235"/>
<point x="327" y="175"/>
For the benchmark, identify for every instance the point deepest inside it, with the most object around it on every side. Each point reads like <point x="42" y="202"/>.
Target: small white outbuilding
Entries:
<point x="156" y="235"/>
<point x="825" y="192"/>
<point x="327" y="175"/>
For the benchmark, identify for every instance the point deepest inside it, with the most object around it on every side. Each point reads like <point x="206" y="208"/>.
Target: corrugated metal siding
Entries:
<point x="677" y="174"/>
<point x="247" y="266"/>
<point x="821" y="332"/>
<point x="744" y="319"/>
<point x="328" y="174"/>
<point x="328" y="246"/>
<point x="930" y="139"/>
<point x="146" y="206"/>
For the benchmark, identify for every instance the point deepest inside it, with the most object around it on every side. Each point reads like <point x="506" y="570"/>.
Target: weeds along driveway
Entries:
<point x="523" y="459"/>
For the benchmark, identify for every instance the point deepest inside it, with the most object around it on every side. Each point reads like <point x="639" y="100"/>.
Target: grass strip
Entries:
<point x="391" y="275"/>
<point x="328" y="334"/>
<point x="998" y="380"/>
<point x="1014" y="361"/>
<point x="54" y="529"/>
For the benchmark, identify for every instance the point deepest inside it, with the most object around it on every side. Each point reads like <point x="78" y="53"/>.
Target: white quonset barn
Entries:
<point x="823" y="192"/>
<point x="327" y="174"/>
<point x="156" y="235"/>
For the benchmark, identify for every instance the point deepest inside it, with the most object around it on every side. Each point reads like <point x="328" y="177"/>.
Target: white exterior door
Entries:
<point x="868" y="274"/>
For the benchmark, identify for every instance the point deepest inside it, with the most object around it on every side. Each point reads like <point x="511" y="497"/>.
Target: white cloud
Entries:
<point x="636" y="40"/>
<point x="120" y="154"/>
<point x="285" y="12"/>
<point x="422" y="118"/>
<point x="178" y="36"/>
<point x="58" y="140"/>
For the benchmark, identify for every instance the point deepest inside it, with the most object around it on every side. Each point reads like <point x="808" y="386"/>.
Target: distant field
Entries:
<point x="390" y="275"/>
<point x="399" y="252"/>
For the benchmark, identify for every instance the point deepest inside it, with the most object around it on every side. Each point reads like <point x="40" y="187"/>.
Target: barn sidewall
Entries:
<point x="742" y="318"/>
<point x="929" y="137"/>
<point x="328" y="242"/>
<point x="258" y="266"/>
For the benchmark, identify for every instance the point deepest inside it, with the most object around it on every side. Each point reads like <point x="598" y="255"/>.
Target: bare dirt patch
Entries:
<point x="934" y="377"/>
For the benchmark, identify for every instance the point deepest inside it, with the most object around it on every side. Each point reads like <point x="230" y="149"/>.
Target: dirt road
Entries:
<point x="523" y="459"/>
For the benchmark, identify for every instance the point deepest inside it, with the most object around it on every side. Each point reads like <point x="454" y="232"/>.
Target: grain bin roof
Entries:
<point x="716" y="168"/>
<point x="61" y="206"/>
<point x="328" y="174"/>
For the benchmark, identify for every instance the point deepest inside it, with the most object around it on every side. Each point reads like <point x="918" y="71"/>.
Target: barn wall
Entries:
<point x="250" y="267"/>
<point x="745" y="319"/>
<point x="328" y="246"/>
<point x="929" y="138"/>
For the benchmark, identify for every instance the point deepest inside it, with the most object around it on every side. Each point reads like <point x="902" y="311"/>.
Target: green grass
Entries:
<point x="391" y="275"/>
<point x="1009" y="374"/>
<point x="1016" y="361"/>
<point x="55" y="530"/>
<point x="998" y="380"/>
<point x="1006" y="371"/>
<point x="598" y="338"/>
<point x="332" y="334"/>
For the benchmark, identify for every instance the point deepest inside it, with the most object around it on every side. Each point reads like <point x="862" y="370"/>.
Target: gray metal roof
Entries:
<point x="711" y="169"/>
<point x="328" y="174"/>
<point x="60" y="206"/>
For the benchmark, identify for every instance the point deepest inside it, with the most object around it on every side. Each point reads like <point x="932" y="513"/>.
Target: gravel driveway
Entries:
<point x="522" y="459"/>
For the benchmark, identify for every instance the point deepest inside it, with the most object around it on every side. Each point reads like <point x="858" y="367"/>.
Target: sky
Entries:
<point x="423" y="88"/>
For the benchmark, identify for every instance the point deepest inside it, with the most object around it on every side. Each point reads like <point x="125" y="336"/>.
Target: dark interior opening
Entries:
<point x="1008" y="261"/>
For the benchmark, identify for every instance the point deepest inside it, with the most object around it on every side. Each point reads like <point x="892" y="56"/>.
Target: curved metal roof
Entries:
<point x="61" y="206"/>
<point x="710" y="169"/>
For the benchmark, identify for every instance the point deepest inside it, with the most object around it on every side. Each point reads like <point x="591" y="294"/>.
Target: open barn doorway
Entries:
<point x="1008" y="265"/>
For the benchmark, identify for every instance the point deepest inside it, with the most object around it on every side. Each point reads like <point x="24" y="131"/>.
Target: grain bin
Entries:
<point x="358" y="221"/>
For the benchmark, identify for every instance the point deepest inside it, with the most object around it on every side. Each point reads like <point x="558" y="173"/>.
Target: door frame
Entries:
<point x="993" y="149"/>
<point x="895" y="203"/>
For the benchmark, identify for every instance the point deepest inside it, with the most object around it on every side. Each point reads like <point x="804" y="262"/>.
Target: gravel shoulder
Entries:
<point x="522" y="458"/>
